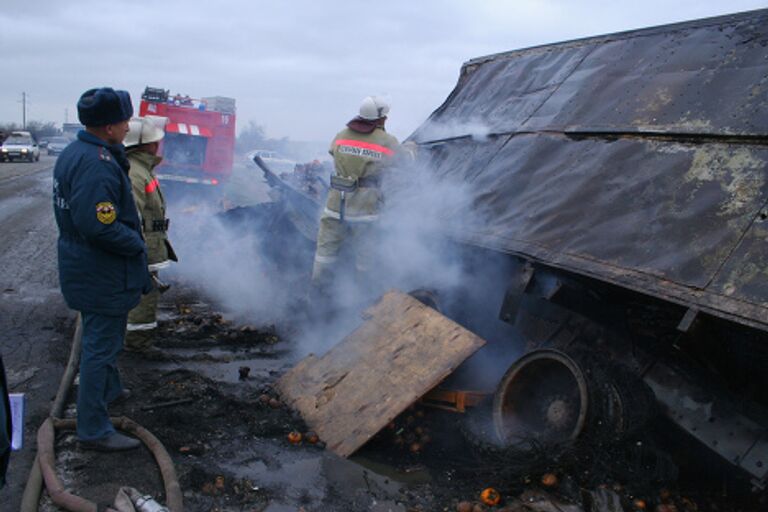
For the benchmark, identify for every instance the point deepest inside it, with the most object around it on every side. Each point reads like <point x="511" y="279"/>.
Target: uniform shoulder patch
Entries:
<point x="105" y="213"/>
<point x="104" y="154"/>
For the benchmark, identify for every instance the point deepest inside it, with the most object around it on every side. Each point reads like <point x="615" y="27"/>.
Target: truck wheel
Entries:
<point x="551" y="398"/>
<point x="542" y="399"/>
<point x="567" y="410"/>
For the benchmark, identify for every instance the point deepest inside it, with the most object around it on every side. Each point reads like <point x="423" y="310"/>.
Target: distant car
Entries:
<point x="57" y="144"/>
<point x="273" y="159"/>
<point x="20" y="146"/>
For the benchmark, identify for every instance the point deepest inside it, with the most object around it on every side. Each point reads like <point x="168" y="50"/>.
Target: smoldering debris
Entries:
<point x="237" y="261"/>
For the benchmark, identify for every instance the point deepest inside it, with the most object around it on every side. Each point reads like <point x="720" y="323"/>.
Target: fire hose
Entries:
<point x="44" y="463"/>
<point x="45" y="439"/>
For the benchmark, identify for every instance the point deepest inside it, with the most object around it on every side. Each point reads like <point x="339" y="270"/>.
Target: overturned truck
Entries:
<point x="627" y="176"/>
<point x="624" y="178"/>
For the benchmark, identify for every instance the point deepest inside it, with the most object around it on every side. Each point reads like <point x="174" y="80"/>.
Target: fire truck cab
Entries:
<point x="199" y="143"/>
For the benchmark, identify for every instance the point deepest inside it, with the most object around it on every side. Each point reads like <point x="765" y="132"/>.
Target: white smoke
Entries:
<point x="444" y="130"/>
<point x="236" y="263"/>
<point x="227" y="262"/>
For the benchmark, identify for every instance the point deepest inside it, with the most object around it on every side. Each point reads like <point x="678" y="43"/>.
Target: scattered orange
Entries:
<point x="311" y="437"/>
<point x="549" y="479"/>
<point x="490" y="496"/>
<point x="294" y="437"/>
<point x="639" y="504"/>
<point x="219" y="484"/>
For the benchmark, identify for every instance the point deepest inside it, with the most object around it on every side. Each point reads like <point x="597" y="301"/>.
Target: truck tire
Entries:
<point x="552" y="398"/>
<point x="603" y="434"/>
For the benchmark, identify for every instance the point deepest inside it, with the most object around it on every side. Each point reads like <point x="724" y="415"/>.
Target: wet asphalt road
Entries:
<point x="35" y="323"/>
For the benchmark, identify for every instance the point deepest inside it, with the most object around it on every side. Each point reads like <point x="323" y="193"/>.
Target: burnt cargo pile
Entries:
<point x="626" y="178"/>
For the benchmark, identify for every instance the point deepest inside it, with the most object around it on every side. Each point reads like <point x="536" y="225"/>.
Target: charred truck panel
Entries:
<point x="627" y="177"/>
<point x="198" y="148"/>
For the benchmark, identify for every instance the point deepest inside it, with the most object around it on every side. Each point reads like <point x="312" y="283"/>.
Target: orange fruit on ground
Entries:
<point x="549" y="479"/>
<point x="490" y="496"/>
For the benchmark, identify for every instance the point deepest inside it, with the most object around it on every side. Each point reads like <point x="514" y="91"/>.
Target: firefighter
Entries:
<point x="142" y="144"/>
<point x="361" y="153"/>
<point x="102" y="255"/>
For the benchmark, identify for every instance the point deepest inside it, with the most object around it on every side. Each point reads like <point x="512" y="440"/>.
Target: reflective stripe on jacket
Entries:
<point x="360" y="155"/>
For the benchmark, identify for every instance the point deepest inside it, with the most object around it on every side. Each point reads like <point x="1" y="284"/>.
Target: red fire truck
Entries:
<point x="199" y="142"/>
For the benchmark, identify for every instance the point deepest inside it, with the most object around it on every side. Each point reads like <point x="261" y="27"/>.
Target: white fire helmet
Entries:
<point x="374" y="107"/>
<point x="145" y="130"/>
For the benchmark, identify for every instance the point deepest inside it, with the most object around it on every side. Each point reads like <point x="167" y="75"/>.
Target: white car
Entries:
<point x="20" y="146"/>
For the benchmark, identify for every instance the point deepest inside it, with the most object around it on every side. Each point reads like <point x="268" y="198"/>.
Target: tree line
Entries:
<point x="38" y="129"/>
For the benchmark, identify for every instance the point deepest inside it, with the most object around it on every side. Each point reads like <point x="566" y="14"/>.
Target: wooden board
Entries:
<point x="397" y="355"/>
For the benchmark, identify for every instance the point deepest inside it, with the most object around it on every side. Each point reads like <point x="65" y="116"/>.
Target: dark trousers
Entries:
<point x="99" y="378"/>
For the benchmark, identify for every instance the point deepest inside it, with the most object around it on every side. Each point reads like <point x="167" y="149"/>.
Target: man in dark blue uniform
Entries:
<point x="102" y="255"/>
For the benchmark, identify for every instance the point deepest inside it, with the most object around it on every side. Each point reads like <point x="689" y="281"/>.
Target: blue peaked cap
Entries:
<point x="103" y="106"/>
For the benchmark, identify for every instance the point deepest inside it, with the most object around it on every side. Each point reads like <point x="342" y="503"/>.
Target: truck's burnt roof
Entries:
<point x="638" y="158"/>
<point x="641" y="32"/>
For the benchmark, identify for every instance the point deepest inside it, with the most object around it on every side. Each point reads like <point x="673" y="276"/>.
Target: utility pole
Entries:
<point x="23" y="110"/>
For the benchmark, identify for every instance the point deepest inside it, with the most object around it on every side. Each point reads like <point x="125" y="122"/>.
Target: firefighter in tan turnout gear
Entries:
<point x="361" y="153"/>
<point x="142" y="144"/>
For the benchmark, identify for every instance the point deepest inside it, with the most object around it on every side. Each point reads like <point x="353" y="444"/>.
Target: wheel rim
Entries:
<point x="542" y="398"/>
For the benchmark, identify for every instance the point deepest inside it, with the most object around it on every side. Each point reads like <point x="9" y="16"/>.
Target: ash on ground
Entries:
<point x="207" y="395"/>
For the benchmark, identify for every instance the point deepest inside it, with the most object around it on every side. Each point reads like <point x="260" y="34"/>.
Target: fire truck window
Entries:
<point x="184" y="149"/>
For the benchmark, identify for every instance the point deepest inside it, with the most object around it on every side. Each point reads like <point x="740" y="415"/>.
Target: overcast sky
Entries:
<point x="298" y="68"/>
